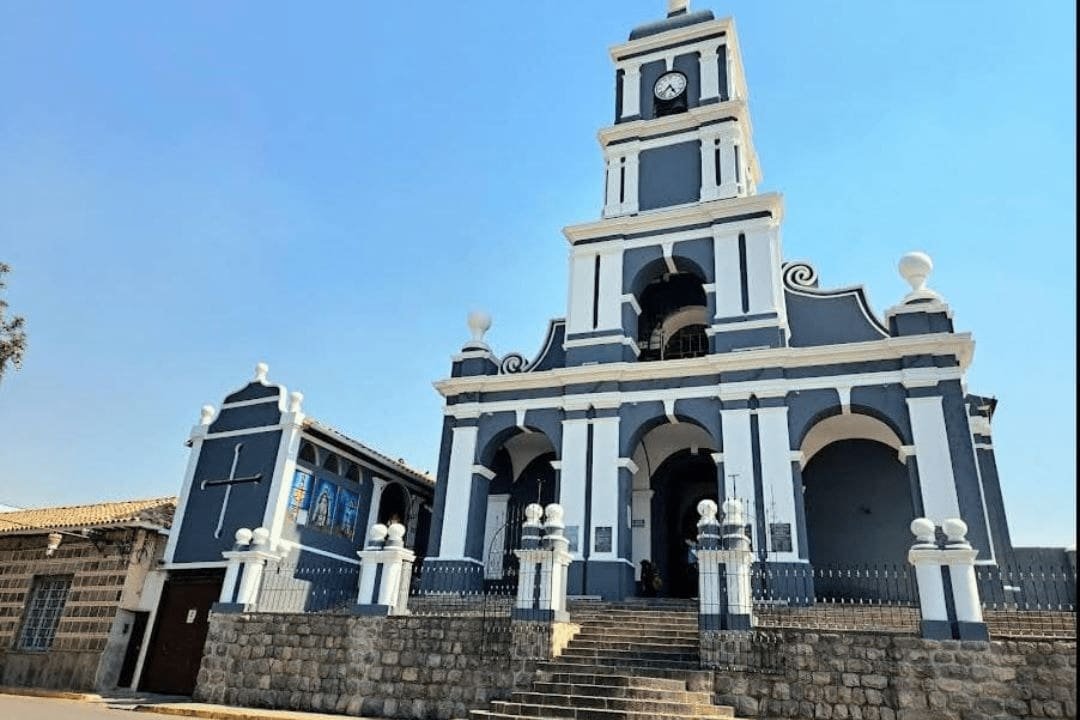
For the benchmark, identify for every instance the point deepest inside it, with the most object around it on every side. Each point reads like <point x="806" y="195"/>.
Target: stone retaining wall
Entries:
<point x="877" y="676"/>
<point x="396" y="667"/>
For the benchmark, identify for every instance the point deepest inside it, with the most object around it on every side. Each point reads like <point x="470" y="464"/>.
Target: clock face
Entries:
<point x="670" y="85"/>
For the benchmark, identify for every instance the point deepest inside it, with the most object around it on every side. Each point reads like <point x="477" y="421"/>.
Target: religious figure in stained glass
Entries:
<point x="322" y="511"/>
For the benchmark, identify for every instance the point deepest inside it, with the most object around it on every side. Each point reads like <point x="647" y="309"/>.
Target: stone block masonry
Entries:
<point x="396" y="667"/>
<point x="877" y="676"/>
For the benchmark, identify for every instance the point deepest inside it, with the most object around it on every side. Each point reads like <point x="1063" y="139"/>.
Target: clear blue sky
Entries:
<point x="189" y="188"/>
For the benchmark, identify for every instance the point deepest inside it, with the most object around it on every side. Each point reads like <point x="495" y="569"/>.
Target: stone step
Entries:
<point x="599" y="677"/>
<point x="575" y="664"/>
<point x="628" y="655"/>
<point x="633" y="645"/>
<point x="586" y="715"/>
<point x="677" y="694"/>
<point x="665" y="706"/>
<point x="557" y="711"/>
<point x="643" y="628"/>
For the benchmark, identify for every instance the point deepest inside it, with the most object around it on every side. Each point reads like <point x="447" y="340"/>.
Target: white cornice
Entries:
<point x="695" y="214"/>
<point x="668" y="124"/>
<point x="960" y="345"/>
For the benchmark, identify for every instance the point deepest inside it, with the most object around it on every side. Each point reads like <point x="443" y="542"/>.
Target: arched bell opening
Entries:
<point x="673" y="318"/>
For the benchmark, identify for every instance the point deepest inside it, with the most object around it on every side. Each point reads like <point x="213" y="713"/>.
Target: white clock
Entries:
<point x="670" y="85"/>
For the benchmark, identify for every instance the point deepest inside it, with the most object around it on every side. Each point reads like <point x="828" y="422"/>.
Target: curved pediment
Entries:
<point x="551" y="355"/>
<point x="826" y="317"/>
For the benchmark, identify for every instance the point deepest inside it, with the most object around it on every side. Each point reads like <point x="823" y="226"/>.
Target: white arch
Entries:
<point x="662" y="442"/>
<point x="853" y="426"/>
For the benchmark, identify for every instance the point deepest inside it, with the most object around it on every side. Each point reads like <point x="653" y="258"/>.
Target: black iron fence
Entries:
<point x="867" y="597"/>
<point x="1028" y="601"/>
<point x="289" y="588"/>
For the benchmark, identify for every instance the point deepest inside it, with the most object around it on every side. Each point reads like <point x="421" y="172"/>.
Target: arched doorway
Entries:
<point x="523" y="474"/>
<point x="394" y="505"/>
<point x="685" y="479"/>
<point x="857" y="498"/>
<point x="675" y="471"/>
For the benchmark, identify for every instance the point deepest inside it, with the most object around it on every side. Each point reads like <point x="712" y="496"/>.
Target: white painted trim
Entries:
<point x="904" y="452"/>
<point x="745" y="325"/>
<point x="717" y="457"/>
<point x="727" y="391"/>
<point x="979" y="424"/>
<point x="244" y="431"/>
<point x="661" y="220"/>
<point x="677" y="36"/>
<point x="612" y="339"/>
<point x="629" y="298"/>
<point x="628" y="463"/>
<point x="934" y="306"/>
<point x="474" y="355"/>
<point x="959" y="345"/>
<point x="483" y="471"/>
<point x="194" y="565"/>
<point x="246" y="403"/>
<point x="290" y="545"/>
<point x="277" y="497"/>
<point x="454" y="558"/>
<point x="185" y="491"/>
<point x="844" y="396"/>
<point x="983" y="446"/>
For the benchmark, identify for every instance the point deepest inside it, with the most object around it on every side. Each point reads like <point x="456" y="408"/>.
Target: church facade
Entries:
<point x="259" y="461"/>
<point x="696" y="362"/>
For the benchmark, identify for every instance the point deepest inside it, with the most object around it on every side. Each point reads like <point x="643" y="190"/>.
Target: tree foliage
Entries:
<point x="12" y="332"/>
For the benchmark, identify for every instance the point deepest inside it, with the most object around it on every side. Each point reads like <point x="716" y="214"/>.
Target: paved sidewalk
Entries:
<point x="167" y="705"/>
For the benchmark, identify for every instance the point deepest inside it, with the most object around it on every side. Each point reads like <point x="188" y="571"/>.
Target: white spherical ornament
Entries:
<point x="260" y="536"/>
<point x="378" y="532"/>
<point x="915" y="268"/>
<point x="554" y="513"/>
<point x="707" y="510"/>
<point x="923" y="529"/>
<point x="479" y="323"/>
<point x="243" y="536"/>
<point x="955" y="530"/>
<point x="533" y="513"/>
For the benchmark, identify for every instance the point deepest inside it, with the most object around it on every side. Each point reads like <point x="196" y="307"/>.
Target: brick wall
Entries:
<point x="86" y="632"/>
<point x="398" y="667"/>
<point x="877" y="676"/>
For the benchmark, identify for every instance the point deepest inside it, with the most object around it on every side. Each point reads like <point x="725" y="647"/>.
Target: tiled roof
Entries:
<point x="157" y="512"/>
<point x="400" y="464"/>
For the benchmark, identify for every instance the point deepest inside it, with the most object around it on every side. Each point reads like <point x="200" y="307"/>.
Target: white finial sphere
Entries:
<point x="206" y="414"/>
<point x="674" y="6"/>
<point x="260" y="536"/>
<point x="261" y="370"/>
<point x="923" y="529"/>
<point x="396" y="532"/>
<point x="554" y="513"/>
<point x="955" y="529"/>
<point x="243" y="536"/>
<point x="915" y="268"/>
<point x="707" y="509"/>
<point x="295" y="399"/>
<point x="533" y="512"/>
<point x="479" y="323"/>
<point x="733" y="513"/>
<point x="378" y="532"/>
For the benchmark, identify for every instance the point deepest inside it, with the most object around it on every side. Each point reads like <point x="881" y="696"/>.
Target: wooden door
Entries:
<point x="176" y="645"/>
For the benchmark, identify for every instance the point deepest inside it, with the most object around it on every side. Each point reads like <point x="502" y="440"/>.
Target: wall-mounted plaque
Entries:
<point x="571" y="533"/>
<point x="780" y="537"/>
<point x="639" y="523"/>
<point x="603" y="539"/>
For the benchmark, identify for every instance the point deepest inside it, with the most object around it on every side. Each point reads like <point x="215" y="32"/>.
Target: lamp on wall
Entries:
<point x="54" y="542"/>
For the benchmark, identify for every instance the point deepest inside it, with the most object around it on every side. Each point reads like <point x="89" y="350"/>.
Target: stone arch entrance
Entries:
<point x="857" y="494"/>
<point x="675" y="469"/>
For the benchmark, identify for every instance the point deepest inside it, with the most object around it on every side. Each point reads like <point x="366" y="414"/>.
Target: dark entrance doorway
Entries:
<point x="679" y="484"/>
<point x="176" y="644"/>
<point x="131" y="655"/>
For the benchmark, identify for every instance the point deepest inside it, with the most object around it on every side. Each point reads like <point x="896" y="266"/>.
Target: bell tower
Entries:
<point x="681" y="207"/>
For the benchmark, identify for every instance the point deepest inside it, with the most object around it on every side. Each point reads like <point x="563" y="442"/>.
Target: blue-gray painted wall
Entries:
<point x="669" y="175"/>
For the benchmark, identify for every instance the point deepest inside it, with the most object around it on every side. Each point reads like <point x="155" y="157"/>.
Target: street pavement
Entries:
<point x="15" y="707"/>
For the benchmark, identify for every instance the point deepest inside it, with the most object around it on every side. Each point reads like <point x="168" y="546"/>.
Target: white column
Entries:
<point x="738" y="460"/>
<point x="277" y="505"/>
<point x="728" y="280"/>
<point x="777" y="483"/>
<point x="606" y="511"/>
<point x="709" y="188"/>
<point x="613" y="185"/>
<point x="582" y="273"/>
<point x="641" y="537"/>
<point x="761" y="276"/>
<point x="609" y="316"/>
<point x="572" y="478"/>
<point x="630" y="193"/>
<point x="377" y="487"/>
<point x="710" y="72"/>
<point x="631" y="90"/>
<point x="198" y="434"/>
<point x="728" y="187"/>
<point x="960" y="557"/>
<point x="494" y="541"/>
<point x="458" y="493"/>
<point x="936" y="480"/>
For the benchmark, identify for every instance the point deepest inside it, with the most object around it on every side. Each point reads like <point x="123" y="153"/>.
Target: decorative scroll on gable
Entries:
<point x="826" y="317"/>
<point x="552" y="354"/>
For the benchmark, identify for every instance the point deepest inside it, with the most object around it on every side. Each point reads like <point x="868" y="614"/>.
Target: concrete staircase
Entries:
<point x="636" y="660"/>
